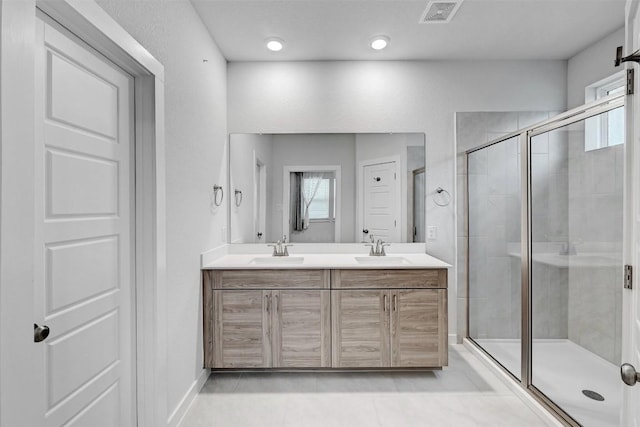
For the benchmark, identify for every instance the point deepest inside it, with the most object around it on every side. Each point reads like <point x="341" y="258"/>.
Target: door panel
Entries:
<point x="102" y="412"/>
<point x="66" y="284"/>
<point x="73" y="180"/>
<point x="69" y="80"/>
<point x="418" y="328"/>
<point x="99" y="341"/>
<point x="380" y="201"/>
<point x="83" y="287"/>
<point x="360" y="331"/>
<point x="301" y="330"/>
<point x="241" y="329"/>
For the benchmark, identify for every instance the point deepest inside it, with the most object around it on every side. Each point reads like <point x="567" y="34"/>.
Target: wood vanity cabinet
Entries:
<point x="267" y="319"/>
<point x="389" y="318"/>
<point x="299" y="318"/>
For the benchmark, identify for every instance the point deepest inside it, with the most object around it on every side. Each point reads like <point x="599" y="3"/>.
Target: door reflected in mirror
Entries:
<point x="328" y="188"/>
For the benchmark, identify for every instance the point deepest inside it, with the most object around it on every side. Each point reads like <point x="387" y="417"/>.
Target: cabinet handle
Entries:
<point x="277" y="303"/>
<point x="267" y="297"/>
<point x="395" y="302"/>
<point x="384" y="303"/>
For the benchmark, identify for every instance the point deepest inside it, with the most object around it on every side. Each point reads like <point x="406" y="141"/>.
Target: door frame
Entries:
<point x="631" y="207"/>
<point x="17" y="122"/>
<point x="286" y="198"/>
<point x="400" y="207"/>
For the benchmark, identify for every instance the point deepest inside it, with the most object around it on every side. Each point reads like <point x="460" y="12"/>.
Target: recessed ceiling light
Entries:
<point x="275" y="44"/>
<point x="379" y="42"/>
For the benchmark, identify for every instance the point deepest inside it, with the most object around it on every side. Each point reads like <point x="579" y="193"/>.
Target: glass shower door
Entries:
<point x="494" y="233"/>
<point x="576" y="267"/>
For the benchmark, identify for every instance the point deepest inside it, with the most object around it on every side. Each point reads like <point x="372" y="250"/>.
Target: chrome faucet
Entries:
<point x="377" y="248"/>
<point x="280" y="248"/>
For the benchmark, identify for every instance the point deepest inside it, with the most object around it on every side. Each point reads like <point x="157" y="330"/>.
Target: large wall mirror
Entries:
<point x="327" y="188"/>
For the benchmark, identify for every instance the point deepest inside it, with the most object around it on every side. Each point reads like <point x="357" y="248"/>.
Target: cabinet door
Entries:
<point x="241" y="329"/>
<point x="360" y="331"/>
<point x="301" y="329"/>
<point x="418" y="327"/>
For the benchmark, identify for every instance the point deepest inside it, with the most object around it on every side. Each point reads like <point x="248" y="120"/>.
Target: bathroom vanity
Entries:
<point x="319" y="311"/>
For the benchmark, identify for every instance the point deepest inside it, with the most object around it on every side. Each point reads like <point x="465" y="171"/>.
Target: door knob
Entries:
<point x="365" y="230"/>
<point x="40" y="333"/>
<point x="628" y="374"/>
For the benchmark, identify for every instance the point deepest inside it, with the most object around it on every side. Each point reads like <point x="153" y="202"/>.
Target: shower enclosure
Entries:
<point x="544" y="259"/>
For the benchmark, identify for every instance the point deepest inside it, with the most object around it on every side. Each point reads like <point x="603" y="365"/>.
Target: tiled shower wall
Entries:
<point x="494" y="175"/>
<point x="595" y="227"/>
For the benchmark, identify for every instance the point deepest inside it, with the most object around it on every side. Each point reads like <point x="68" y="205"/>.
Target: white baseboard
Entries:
<point x="176" y="417"/>
<point x="526" y="398"/>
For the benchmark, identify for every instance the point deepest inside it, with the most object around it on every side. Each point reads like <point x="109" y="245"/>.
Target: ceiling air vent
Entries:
<point x="440" y="12"/>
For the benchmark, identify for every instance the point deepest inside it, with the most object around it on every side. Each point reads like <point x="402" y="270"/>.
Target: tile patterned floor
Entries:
<point x="463" y="394"/>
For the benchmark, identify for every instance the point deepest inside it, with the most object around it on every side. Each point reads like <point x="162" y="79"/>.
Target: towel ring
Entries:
<point x="442" y="197"/>
<point x="238" y="200"/>
<point x="216" y="189"/>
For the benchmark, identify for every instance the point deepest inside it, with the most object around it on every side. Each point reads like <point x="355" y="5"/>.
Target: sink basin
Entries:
<point x="277" y="260"/>
<point x="382" y="260"/>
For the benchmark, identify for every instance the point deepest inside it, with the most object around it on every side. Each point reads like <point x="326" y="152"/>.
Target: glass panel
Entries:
<point x="494" y="252"/>
<point x="319" y="206"/>
<point x="615" y="127"/>
<point x="576" y="272"/>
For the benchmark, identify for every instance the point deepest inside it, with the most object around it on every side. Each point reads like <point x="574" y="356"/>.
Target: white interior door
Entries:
<point x="631" y="298"/>
<point x="381" y="201"/>
<point x="83" y="248"/>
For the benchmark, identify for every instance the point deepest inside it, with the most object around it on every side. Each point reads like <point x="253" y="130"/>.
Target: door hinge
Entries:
<point x="630" y="81"/>
<point x="628" y="277"/>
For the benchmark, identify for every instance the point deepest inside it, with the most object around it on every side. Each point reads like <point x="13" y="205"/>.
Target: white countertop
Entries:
<point x="326" y="261"/>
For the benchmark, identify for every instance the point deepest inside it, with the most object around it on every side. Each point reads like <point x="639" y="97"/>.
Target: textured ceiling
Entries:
<point x="341" y="30"/>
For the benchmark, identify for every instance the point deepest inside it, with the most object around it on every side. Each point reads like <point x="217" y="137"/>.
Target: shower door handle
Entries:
<point x="629" y="375"/>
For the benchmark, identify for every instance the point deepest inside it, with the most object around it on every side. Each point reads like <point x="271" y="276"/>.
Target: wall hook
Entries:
<point x="238" y="196"/>
<point x="634" y="57"/>
<point x="216" y="189"/>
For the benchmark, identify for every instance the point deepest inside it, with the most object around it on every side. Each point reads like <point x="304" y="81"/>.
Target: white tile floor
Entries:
<point x="464" y="394"/>
<point x="561" y="370"/>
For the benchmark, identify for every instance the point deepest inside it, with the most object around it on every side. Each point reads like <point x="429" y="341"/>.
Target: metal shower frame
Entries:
<point x="524" y="136"/>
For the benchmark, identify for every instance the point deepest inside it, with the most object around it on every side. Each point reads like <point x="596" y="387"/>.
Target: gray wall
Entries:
<point x="195" y="135"/>
<point x="592" y="64"/>
<point x="242" y="148"/>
